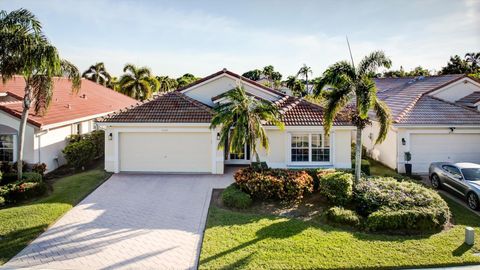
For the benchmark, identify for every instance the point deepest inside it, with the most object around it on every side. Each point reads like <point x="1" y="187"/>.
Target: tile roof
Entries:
<point x="430" y="110"/>
<point x="473" y="98"/>
<point x="92" y="99"/>
<point x="403" y="95"/>
<point x="173" y="107"/>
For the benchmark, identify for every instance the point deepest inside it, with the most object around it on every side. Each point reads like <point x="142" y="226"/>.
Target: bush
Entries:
<point x="278" y="184"/>
<point x="80" y="154"/>
<point x="14" y="193"/>
<point x="2" y="201"/>
<point x="233" y="196"/>
<point x="32" y="177"/>
<point x="6" y="167"/>
<point x="352" y="153"/>
<point x="365" y="166"/>
<point x="337" y="187"/>
<point x="96" y="137"/>
<point x="39" y="168"/>
<point x="8" y="178"/>
<point x="392" y="205"/>
<point x="341" y="215"/>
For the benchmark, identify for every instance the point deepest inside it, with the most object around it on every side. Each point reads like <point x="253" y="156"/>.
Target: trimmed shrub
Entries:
<point x="97" y="137"/>
<point x="258" y="166"/>
<point x="2" y="201"/>
<point x="32" y="177"/>
<point x="341" y="215"/>
<point x="39" y="168"/>
<point x="337" y="187"/>
<point x="233" y="196"/>
<point x="80" y="154"/>
<point x="14" y="193"/>
<point x="365" y="166"/>
<point x="278" y="184"/>
<point x="8" y="178"/>
<point x="392" y="205"/>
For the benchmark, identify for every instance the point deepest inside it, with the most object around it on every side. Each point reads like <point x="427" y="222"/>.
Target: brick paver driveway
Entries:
<point x="131" y="221"/>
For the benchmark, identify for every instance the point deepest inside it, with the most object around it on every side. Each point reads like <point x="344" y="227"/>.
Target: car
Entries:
<point x="461" y="178"/>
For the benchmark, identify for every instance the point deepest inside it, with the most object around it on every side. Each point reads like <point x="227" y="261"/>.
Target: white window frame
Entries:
<point x="14" y="148"/>
<point x="310" y="162"/>
<point x="77" y="128"/>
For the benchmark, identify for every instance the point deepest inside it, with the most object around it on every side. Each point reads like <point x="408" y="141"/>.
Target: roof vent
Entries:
<point x="69" y="106"/>
<point x="84" y="96"/>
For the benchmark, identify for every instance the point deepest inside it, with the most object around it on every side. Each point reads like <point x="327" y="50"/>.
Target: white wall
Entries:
<point x="385" y="152"/>
<point x="457" y="90"/>
<point x="205" y="92"/>
<point x="13" y="122"/>
<point x="49" y="145"/>
<point x="342" y="141"/>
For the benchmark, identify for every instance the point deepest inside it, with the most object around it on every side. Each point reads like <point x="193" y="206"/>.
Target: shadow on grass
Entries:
<point x="14" y="242"/>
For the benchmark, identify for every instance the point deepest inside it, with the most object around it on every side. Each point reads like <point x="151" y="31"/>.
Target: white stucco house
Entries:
<point x="171" y="133"/>
<point x="435" y="118"/>
<point x="69" y="113"/>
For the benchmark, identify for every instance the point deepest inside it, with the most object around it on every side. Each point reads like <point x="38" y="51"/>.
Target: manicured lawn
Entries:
<point x="234" y="239"/>
<point x="378" y="169"/>
<point x="21" y="224"/>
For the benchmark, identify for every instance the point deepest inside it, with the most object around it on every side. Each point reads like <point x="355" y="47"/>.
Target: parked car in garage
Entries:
<point x="461" y="178"/>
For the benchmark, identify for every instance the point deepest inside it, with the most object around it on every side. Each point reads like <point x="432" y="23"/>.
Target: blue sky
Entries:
<point x="201" y="37"/>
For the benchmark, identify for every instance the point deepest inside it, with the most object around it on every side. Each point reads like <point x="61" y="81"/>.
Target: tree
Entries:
<point x="25" y="50"/>
<point x="303" y="72"/>
<point x="474" y="60"/>
<point x="98" y="74"/>
<point x="241" y="120"/>
<point x="137" y="82"/>
<point x="166" y="84"/>
<point x="419" y="71"/>
<point x="296" y="86"/>
<point x="253" y="75"/>
<point x="349" y="83"/>
<point x="186" y="79"/>
<point x="457" y="65"/>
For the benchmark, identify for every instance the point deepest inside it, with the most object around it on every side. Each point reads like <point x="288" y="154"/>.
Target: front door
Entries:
<point x="238" y="158"/>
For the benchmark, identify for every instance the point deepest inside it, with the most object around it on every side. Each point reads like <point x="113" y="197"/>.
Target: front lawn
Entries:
<point x="19" y="225"/>
<point x="244" y="240"/>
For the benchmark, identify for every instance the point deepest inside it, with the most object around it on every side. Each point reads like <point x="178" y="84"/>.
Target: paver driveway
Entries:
<point x="131" y="221"/>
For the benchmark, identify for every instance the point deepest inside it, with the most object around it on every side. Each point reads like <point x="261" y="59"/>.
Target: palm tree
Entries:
<point x="98" y="74"/>
<point x="137" y="82"/>
<point x="166" y="84"/>
<point x="298" y="89"/>
<point x="242" y="119"/>
<point x="349" y="83"/>
<point x="303" y="72"/>
<point x="473" y="58"/>
<point x="25" y="50"/>
<point x="268" y="72"/>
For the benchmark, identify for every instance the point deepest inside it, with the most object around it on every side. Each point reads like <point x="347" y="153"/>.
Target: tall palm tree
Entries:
<point x="298" y="89"/>
<point x="98" y="74"/>
<point x="166" y="84"/>
<point x="303" y="72"/>
<point x="349" y="83"/>
<point x="138" y="82"/>
<point x="242" y="121"/>
<point x="25" y="50"/>
<point x="473" y="58"/>
<point x="268" y="72"/>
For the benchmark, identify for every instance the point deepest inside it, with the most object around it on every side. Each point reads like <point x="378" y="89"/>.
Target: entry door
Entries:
<point x="239" y="158"/>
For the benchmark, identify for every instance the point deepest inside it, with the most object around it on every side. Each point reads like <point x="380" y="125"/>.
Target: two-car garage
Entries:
<point x="188" y="152"/>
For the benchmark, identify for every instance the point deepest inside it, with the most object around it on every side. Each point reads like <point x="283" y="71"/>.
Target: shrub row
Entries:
<point x="83" y="149"/>
<point x="233" y="196"/>
<point x="278" y="184"/>
<point x="17" y="192"/>
<point x="336" y="186"/>
<point x="343" y="216"/>
<point x="8" y="178"/>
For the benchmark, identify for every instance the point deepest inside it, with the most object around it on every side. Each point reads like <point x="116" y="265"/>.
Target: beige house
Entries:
<point x="171" y="132"/>
<point x="435" y="118"/>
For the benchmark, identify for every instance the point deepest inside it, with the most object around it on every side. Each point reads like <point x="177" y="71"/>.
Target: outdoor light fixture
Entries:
<point x="218" y="136"/>
<point x="404" y="141"/>
<point x="110" y="136"/>
<point x="452" y="129"/>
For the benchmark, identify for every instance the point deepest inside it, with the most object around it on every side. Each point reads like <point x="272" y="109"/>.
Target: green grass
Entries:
<point x="240" y="240"/>
<point x="19" y="225"/>
<point x="378" y="169"/>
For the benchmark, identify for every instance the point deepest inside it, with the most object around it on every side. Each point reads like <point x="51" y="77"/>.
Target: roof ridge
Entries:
<point x="408" y="108"/>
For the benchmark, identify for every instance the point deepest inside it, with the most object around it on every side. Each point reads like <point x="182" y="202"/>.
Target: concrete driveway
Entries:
<point x="132" y="221"/>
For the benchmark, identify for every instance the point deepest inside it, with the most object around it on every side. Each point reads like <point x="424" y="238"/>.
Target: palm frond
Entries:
<point x="384" y="118"/>
<point x="335" y="102"/>
<point x="372" y="62"/>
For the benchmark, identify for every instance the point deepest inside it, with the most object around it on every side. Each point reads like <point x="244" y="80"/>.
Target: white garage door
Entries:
<point x="427" y="148"/>
<point x="165" y="152"/>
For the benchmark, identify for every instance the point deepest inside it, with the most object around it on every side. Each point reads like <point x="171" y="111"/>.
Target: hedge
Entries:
<point x="14" y="193"/>
<point x="280" y="184"/>
<point x="233" y="196"/>
<point x="337" y="187"/>
<point x="343" y="216"/>
<point x="80" y="154"/>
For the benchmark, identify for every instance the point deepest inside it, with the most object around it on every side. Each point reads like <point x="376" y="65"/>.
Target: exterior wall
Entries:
<point x="205" y="92"/>
<point x="457" y="90"/>
<point x="13" y="122"/>
<point x="49" y="145"/>
<point x="342" y="142"/>
<point x="385" y="152"/>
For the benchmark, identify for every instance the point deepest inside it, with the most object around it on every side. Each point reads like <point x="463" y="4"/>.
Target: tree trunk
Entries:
<point x="358" y="155"/>
<point x="21" y="132"/>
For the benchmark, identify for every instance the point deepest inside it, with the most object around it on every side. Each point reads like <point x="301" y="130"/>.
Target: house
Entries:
<point x="171" y="133"/>
<point x="435" y="118"/>
<point x="69" y="113"/>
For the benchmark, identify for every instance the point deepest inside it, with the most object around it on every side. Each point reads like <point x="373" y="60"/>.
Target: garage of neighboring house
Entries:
<point x="165" y="152"/>
<point x="452" y="147"/>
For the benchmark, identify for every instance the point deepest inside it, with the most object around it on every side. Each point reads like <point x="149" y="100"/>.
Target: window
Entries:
<point x="452" y="170"/>
<point x="310" y="148"/>
<point x="6" y="147"/>
<point x="77" y="128"/>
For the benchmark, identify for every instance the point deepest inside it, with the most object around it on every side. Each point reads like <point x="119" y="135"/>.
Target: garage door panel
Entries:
<point x="165" y="152"/>
<point x="428" y="148"/>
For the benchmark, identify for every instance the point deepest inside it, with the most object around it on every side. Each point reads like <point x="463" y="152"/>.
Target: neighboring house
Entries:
<point x="69" y="113"/>
<point x="434" y="118"/>
<point x="171" y="133"/>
